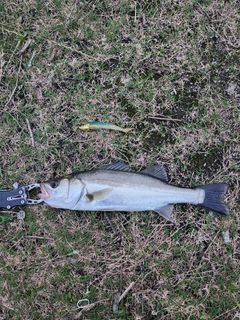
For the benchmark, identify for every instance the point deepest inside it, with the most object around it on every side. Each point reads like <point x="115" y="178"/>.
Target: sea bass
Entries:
<point x="116" y="187"/>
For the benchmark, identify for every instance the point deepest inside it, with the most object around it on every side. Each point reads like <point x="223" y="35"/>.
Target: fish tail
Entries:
<point x="213" y="198"/>
<point x="85" y="127"/>
<point x="126" y="130"/>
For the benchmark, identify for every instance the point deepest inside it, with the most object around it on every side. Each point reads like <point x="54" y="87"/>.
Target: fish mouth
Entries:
<point x="44" y="195"/>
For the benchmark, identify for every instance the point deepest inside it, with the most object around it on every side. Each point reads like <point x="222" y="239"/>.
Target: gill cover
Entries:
<point x="62" y="193"/>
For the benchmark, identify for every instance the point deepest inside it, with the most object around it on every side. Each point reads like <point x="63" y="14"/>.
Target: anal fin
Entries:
<point x="165" y="212"/>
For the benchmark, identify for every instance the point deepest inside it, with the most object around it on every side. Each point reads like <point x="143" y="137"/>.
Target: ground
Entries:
<point x="168" y="69"/>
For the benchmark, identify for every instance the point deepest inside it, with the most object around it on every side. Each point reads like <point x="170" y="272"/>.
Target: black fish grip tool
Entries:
<point x="19" y="196"/>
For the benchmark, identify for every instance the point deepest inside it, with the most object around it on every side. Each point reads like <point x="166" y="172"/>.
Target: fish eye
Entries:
<point x="54" y="184"/>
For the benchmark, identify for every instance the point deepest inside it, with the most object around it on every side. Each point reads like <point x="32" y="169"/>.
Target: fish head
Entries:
<point x="61" y="193"/>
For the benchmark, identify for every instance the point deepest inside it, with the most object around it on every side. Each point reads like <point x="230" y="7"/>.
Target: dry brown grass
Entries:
<point x="120" y="61"/>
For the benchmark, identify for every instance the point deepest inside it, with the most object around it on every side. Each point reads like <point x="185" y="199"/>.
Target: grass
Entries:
<point x="128" y="63"/>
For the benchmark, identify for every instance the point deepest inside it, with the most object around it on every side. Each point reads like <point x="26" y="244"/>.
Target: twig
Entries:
<point x="135" y="11"/>
<point x="126" y="291"/>
<point x="228" y="311"/>
<point x="110" y="222"/>
<point x="24" y="48"/>
<point x="119" y="297"/>
<point x="53" y="55"/>
<point x="164" y="119"/>
<point x="7" y="211"/>
<point x="116" y="302"/>
<point x="73" y="50"/>
<point x="30" y="132"/>
<point x="38" y="237"/>
<point x="12" y="94"/>
<point x="5" y="306"/>
<point x="143" y="19"/>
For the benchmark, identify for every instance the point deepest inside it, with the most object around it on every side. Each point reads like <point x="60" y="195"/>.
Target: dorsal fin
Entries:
<point x="156" y="171"/>
<point x="117" y="166"/>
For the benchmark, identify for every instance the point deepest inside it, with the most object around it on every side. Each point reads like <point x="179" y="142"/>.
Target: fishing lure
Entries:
<point x="103" y="125"/>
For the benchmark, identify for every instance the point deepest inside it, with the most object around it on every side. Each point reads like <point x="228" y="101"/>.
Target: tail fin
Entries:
<point x="213" y="197"/>
<point x="126" y="130"/>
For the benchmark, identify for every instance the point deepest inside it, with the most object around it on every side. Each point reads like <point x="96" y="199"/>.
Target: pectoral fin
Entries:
<point x="99" y="195"/>
<point x="166" y="212"/>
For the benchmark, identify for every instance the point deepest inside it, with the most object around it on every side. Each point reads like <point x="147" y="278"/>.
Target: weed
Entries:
<point x="128" y="63"/>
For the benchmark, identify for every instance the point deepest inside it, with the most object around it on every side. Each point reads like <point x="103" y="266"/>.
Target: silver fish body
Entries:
<point x="118" y="188"/>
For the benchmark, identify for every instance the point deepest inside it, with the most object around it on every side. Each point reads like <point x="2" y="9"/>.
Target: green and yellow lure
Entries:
<point x="104" y="125"/>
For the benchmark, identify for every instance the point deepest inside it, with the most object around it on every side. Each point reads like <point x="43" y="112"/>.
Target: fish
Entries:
<point x="116" y="187"/>
<point x="104" y="125"/>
